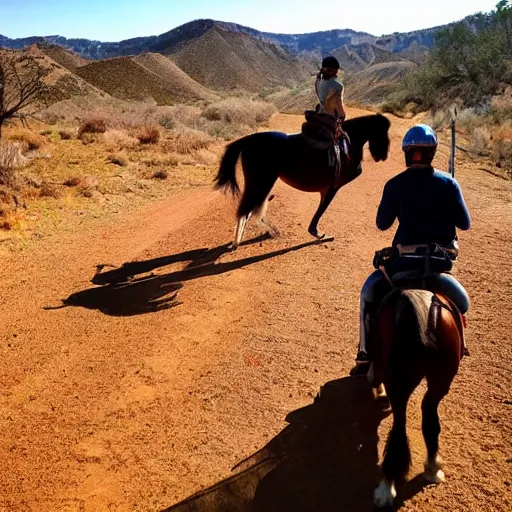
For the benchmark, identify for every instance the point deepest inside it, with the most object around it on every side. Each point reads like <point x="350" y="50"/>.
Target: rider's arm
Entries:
<point x="341" y="110"/>
<point x="386" y="214"/>
<point x="461" y="216"/>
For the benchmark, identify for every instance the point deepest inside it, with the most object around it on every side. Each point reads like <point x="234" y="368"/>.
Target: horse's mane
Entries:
<point x="355" y="122"/>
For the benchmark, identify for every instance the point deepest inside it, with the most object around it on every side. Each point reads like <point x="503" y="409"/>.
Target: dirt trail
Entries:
<point x="136" y="396"/>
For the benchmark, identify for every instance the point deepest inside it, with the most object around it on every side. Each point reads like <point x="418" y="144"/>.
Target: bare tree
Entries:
<point x="22" y="89"/>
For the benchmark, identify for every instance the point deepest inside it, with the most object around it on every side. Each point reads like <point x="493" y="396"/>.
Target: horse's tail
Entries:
<point x="226" y="176"/>
<point x="412" y="339"/>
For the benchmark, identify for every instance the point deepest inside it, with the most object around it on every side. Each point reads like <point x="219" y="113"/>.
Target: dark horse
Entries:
<point x="267" y="156"/>
<point x="417" y="334"/>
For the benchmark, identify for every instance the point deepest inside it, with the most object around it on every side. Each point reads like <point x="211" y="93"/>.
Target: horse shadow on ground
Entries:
<point x="121" y="293"/>
<point x="325" y="459"/>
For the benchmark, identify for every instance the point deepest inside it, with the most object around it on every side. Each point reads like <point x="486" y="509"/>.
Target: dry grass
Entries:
<point x="489" y="130"/>
<point x="30" y="140"/>
<point x="188" y="142"/>
<point x="239" y="111"/>
<point x="120" y="139"/>
<point x="157" y="149"/>
<point x="11" y="158"/>
<point x="501" y="147"/>
<point x="479" y="141"/>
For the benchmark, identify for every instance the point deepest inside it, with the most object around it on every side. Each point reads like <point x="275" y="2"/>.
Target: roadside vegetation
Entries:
<point x="471" y="66"/>
<point x="92" y="154"/>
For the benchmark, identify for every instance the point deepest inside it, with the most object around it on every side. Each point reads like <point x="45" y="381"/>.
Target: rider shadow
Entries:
<point x="121" y="293"/>
<point x="325" y="459"/>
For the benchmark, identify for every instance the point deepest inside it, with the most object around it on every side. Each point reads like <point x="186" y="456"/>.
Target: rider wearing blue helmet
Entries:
<point x="429" y="207"/>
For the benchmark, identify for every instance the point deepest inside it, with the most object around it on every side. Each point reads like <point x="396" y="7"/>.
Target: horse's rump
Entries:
<point x="411" y="324"/>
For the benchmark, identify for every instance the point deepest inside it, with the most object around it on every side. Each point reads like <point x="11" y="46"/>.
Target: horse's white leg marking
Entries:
<point x="260" y="213"/>
<point x="239" y="231"/>
<point x="384" y="495"/>
<point x="433" y="472"/>
<point x="379" y="392"/>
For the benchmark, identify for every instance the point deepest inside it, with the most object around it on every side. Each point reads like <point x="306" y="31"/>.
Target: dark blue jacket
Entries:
<point x="428" y="204"/>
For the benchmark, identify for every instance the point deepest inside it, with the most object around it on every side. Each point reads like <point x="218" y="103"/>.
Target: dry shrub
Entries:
<point x="501" y="147"/>
<point x="160" y="175"/>
<point x="117" y="160"/>
<point x="30" y="140"/>
<point x="45" y="132"/>
<point x="501" y="108"/>
<point x="50" y="118"/>
<point x="240" y="111"/>
<point x="120" y="139"/>
<point x="11" y="157"/>
<point x="88" y="138"/>
<point x="49" y="190"/>
<point x="159" y="161"/>
<point x="149" y="135"/>
<point x="479" y="141"/>
<point x="438" y="119"/>
<point x="181" y="115"/>
<point x="188" y="142"/>
<point x="72" y="181"/>
<point x="92" y="125"/>
<point x="206" y="157"/>
<point x="65" y="135"/>
<point x="469" y="120"/>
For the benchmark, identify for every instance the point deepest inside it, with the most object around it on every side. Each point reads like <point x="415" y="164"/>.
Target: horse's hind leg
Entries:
<point x="253" y="200"/>
<point x="261" y="213"/>
<point x="239" y="230"/>
<point x="397" y="455"/>
<point x="397" y="458"/>
<point x="438" y="387"/>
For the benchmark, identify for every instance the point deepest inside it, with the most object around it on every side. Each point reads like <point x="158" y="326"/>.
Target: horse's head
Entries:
<point x="372" y="129"/>
<point x="378" y="138"/>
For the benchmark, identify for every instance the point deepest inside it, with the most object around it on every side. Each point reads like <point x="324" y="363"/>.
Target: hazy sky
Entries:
<point x="114" y="20"/>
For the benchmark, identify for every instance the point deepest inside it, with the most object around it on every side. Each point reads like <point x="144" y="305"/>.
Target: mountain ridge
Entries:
<point x="321" y="42"/>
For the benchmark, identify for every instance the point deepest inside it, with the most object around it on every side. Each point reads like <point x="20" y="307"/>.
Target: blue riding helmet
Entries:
<point x="420" y="135"/>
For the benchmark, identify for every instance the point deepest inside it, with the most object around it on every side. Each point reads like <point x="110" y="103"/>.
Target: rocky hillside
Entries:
<point x="146" y="76"/>
<point x="225" y="60"/>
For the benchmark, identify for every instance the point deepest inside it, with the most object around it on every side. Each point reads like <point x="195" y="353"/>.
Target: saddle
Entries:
<point x="427" y="259"/>
<point x="320" y="128"/>
<point x="323" y="131"/>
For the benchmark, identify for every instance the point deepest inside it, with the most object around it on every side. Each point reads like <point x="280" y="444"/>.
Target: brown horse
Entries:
<point x="267" y="156"/>
<point x="416" y="334"/>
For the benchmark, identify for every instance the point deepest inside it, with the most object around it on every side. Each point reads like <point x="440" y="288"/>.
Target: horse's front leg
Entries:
<point x="325" y="201"/>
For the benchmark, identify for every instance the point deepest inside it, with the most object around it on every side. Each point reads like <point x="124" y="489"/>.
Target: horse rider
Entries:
<point x="329" y="91"/>
<point x="429" y="206"/>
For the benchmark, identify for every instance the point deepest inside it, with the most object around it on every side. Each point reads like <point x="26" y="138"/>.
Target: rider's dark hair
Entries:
<point x="329" y="69"/>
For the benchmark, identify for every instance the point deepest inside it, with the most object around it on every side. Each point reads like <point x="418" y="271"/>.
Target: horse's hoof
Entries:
<point x="384" y="495"/>
<point x="317" y="235"/>
<point x="433" y="473"/>
<point x="436" y="477"/>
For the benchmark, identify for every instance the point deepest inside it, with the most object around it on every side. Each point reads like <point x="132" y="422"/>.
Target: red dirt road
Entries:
<point x="134" y="398"/>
